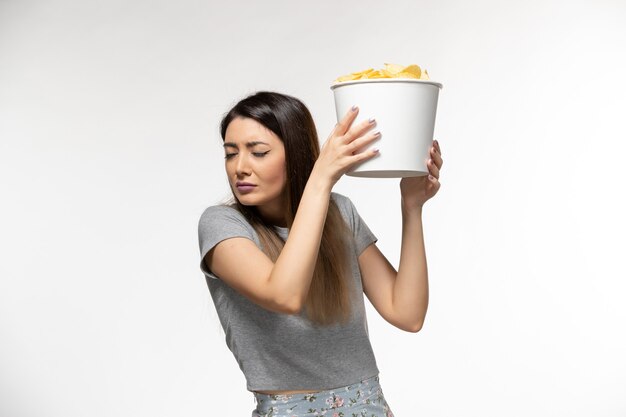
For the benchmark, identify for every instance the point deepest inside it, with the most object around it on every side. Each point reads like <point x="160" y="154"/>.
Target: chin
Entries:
<point x="246" y="200"/>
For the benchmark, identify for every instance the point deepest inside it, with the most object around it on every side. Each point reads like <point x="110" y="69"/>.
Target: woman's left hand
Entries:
<point x="417" y="190"/>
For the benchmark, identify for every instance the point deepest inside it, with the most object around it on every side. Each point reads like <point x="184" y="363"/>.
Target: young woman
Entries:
<point x="288" y="261"/>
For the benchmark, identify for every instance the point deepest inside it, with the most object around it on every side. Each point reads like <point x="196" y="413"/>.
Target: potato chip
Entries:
<point x="390" y="71"/>
<point x="346" y="78"/>
<point x="363" y="72"/>
<point x="407" y="75"/>
<point x="413" y="69"/>
<point x="355" y="75"/>
<point x="376" y="74"/>
<point x="394" y="68"/>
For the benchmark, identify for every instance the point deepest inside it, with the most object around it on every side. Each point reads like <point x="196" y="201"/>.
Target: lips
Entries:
<point x="244" y="187"/>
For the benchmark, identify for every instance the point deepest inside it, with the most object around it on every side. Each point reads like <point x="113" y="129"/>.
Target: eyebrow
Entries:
<point x="248" y="145"/>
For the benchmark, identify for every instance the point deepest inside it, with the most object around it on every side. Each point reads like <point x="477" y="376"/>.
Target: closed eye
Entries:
<point x="257" y="154"/>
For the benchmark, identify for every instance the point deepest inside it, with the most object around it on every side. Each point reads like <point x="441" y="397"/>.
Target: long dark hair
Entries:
<point x="328" y="300"/>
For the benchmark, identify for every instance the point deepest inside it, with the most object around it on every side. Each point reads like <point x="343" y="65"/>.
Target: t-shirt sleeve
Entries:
<point x="363" y="236"/>
<point x="219" y="223"/>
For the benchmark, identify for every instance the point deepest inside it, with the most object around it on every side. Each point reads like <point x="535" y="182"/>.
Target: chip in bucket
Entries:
<point x="390" y="71"/>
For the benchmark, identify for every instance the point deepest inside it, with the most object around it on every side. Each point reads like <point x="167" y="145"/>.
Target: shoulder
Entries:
<point x="220" y="210"/>
<point x="344" y="203"/>
<point x="346" y="207"/>
<point x="222" y="216"/>
<point x="222" y="222"/>
<point x="341" y="200"/>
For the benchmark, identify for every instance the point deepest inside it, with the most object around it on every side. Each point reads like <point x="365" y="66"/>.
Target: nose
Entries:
<point x="242" y="167"/>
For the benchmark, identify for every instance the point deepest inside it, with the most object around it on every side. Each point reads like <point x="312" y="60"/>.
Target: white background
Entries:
<point x="110" y="152"/>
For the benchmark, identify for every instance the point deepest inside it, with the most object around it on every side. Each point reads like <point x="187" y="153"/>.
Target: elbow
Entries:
<point x="293" y="307"/>
<point x="415" y="327"/>
<point x="283" y="302"/>
<point x="292" y="310"/>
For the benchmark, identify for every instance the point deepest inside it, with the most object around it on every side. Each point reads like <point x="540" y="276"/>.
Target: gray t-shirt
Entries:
<point x="281" y="351"/>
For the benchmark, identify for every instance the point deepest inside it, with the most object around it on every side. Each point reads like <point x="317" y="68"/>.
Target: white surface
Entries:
<point x="109" y="152"/>
<point x="405" y="113"/>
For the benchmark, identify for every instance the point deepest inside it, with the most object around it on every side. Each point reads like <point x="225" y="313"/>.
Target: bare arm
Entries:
<point x="410" y="292"/>
<point x="401" y="297"/>
<point x="291" y="275"/>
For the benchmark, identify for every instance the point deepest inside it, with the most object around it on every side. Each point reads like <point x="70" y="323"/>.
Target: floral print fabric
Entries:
<point x="363" y="399"/>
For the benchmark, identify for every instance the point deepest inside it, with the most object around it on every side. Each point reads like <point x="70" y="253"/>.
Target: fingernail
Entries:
<point x="430" y="177"/>
<point x="377" y="133"/>
<point x="372" y="120"/>
<point x="376" y="150"/>
<point x="354" y="107"/>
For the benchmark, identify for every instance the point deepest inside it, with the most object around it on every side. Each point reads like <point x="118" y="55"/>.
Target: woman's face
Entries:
<point x="256" y="156"/>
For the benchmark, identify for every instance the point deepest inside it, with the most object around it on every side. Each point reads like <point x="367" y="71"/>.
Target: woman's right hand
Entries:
<point x="340" y="151"/>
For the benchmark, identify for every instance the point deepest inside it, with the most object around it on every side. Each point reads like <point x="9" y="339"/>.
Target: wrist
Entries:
<point x="408" y="207"/>
<point x="318" y="182"/>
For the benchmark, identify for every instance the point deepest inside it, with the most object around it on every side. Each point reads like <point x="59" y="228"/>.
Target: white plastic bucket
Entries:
<point x="405" y="111"/>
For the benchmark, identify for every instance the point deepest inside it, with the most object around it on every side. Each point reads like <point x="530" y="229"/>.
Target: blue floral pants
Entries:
<point x="363" y="399"/>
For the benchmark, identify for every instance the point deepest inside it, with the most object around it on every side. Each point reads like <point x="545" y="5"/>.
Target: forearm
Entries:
<point x="293" y="270"/>
<point x="410" y="293"/>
